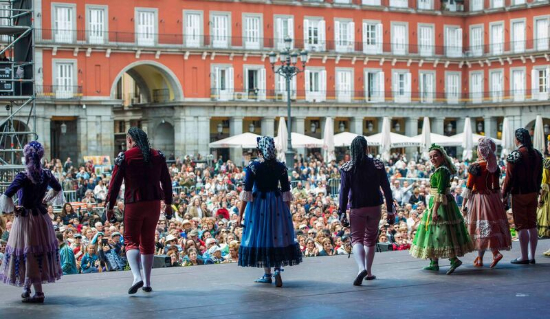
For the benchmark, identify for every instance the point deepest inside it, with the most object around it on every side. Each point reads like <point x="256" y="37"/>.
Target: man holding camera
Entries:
<point x="147" y="182"/>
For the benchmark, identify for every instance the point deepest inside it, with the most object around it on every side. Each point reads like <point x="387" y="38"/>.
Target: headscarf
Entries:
<point x="266" y="145"/>
<point x="487" y="148"/>
<point x="447" y="162"/>
<point x="33" y="154"/>
<point x="523" y="136"/>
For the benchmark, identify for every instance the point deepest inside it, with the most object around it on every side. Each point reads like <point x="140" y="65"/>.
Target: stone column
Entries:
<point x="107" y="135"/>
<point x="191" y="146"/>
<point x="490" y="127"/>
<point x="236" y="128"/>
<point x="179" y="137"/>
<point x="438" y="125"/>
<point x="411" y="129"/>
<point x="92" y="125"/>
<point x="299" y="126"/>
<point x="82" y="132"/>
<point x="356" y="125"/>
<point x="204" y="135"/>
<point x="268" y="126"/>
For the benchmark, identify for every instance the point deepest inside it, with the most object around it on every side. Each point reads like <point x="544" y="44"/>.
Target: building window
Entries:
<point x="342" y="1"/>
<point x="518" y="36"/>
<point x="64" y="24"/>
<point x="452" y="83"/>
<point x="146" y="27"/>
<point x="284" y="28"/>
<point x="476" y="41"/>
<point x="374" y="86"/>
<point x="540" y="83"/>
<point x="64" y="79"/>
<point x="314" y="35"/>
<point x="498" y="4"/>
<point x="371" y="2"/>
<point x="252" y="32"/>
<point x="476" y="87"/>
<point x="316" y="83"/>
<point x="97" y="25"/>
<point x="344" y="36"/>
<point x="497" y="91"/>
<point x="453" y="42"/>
<point x="193" y="29"/>
<point x="401" y="87"/>
<point x="280" y="88"/>
<point x="519" y="2"/>
<point x="220" y="30"/>
<point x="222" y="83"/>
<point x="399" y="39"/>
<point x="426" y="40"/>
<point x="541" y="34"/>
<point x="255" y="83"/>
<point x="427" y="84"/>
<point x="518" y="85"/>
<point x="372" y="37"/>
<point x="476" y="5"/>
<point x="399" y="3"/>
<point x="344" y="85"/>
<point x="497" y="39"/>
<point x="425" y="4"/>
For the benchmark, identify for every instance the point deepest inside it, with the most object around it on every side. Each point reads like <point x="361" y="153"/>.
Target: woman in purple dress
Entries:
<point x="32" y="253"/>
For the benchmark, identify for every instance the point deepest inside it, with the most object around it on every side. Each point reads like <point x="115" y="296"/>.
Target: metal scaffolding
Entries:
<point x="17" y="86"/>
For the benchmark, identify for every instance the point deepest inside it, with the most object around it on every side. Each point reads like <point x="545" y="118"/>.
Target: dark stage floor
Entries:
<point x="319" y="288"/>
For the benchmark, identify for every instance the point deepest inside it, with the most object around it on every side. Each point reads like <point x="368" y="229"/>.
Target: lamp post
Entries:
<point x="288" y="69"/>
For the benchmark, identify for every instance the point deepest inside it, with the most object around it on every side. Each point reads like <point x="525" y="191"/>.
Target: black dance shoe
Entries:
<point x="135" y="287"/>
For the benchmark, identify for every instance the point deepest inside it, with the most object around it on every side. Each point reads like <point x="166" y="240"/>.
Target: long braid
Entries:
<point x="142" y="142"/>
<point x="358" y="150"/>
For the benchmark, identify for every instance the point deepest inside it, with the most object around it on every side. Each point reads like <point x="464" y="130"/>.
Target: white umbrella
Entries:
<point x="245" y="140"/>
<point x="508" y="139"/>
<point x="438" y="139"/>
<point x="397" y="140"/>
<point x="344" y="139"/>
<point x="538" y="138"/>
<point x="303" y="141"/>
<point x="281" y="141"/>
<point x="426" y="140"/>
<point x="467" y="142"/>
<point x="456" y="140"/>
<point x="385" y="142"/>
<point x="328" y="140"/>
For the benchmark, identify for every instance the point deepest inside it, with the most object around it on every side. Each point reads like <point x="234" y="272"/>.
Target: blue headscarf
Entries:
<point x="266" y="145"/>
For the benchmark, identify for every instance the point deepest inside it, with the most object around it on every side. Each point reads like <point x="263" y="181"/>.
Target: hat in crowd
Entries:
<point x="214" y="249"/>
<point x="101" y="233"/>
<point x="303" y="226"/>
<point x="77" y="235"/>
<point x="210" y="241"/>
<point x="186" y="222"/>
<point x="116" y="234"/>
<point x="170" y="238"/>
<point x="335" y="221"/>
<point x="194" y="233"/>
<point x="62" y="229"/>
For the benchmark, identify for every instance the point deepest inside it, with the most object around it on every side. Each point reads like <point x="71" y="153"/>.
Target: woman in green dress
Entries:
<point x="442" y="233"/>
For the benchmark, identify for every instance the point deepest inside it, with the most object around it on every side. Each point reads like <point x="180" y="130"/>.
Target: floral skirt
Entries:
<point x="543" y="217"/>
<point x="268" y="234"/>
<point x="32" y="252"/>
<point x="487" y="222"/>
<point x="447" y="238"/>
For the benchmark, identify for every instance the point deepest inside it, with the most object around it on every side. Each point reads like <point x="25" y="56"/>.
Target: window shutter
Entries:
<point x="216" y="82"/>
<point x="336" y="32"/>
<point x="534" y="84"/>
<point x="408" y="86"/>
<point x="458" y="33"/>
<point x="307" y="86"/>
<point x="365" y="25"/>
<point x="323" y="84"/>
<point x="231" y="84"/>
<point x="262" y="85"/>
<point x="351" y="35"/>
<point x="291" y="30"/>
<point x="395" y="85"/>
<point x="379" y="37"/>
<point x="322" y="33"/>
<point x="306" y="31"/>
<point x="381" y="88"/>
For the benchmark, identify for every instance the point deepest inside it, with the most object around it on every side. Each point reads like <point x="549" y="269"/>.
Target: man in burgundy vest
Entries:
<point x="147" y="182"/>
<point x="523" y="179"/>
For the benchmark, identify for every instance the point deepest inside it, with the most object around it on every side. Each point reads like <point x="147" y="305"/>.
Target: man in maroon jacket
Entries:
<point x="147" y="181"/>
<point x="523" y="179"/>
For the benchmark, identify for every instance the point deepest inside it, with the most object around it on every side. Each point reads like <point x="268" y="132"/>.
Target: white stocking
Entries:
<point x="523" y="236"/>
<point x="147" y="264"/>
<point x="370" y="258"/>
<point x="533" y="240"/>
<point x="359" y="255"/>
<point x="134" y="261"/>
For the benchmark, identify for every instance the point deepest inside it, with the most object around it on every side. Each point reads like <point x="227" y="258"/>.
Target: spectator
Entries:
<point x="68" y="261"/>
<point x="90" y="261"/>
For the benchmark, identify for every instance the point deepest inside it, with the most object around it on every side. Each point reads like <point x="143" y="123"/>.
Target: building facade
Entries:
<point x="194" y="71"/>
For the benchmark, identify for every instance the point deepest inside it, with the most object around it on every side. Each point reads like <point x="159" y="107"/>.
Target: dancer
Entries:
<point x="143" y="170"/>
<point x="486" y="218"/>
<point x="366" y="200"/>
<point x="522" y="181"/>
<point x="442" y="233"/>
<point x="543" y="212"/>
<point x="32" y="252"/>
<point x="268" y="234"/>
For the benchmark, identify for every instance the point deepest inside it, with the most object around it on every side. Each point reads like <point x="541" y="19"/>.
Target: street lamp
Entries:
<point x="288" y="69"/>
<point x="63" y="128"/>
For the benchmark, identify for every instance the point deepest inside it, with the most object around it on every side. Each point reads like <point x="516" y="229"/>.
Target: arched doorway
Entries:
<point x="163" y="139"/>
<point x="545" y="128"/>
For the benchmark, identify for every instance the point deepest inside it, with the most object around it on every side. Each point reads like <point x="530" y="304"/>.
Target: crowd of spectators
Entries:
<point x="203" y="229"/>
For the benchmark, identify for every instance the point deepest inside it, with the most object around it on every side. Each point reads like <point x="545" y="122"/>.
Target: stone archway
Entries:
<point x="163" y="138"/>
<point x="155" y="82"/>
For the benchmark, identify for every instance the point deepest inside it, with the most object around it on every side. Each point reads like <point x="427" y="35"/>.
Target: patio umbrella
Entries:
<point x="539" y="137"/>
<point x="328" y="140"/>
<point x="508" y="142"/>
<point x="385" y="143"/>
<point x="344" y="139"/>
<point x="281" y="141"/>
<point x="245" y="140"/>
<point x="426" y="140"/>
<point x="467" y="140"/>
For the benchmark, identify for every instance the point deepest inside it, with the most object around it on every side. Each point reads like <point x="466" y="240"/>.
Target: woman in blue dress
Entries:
<point x="32" y="252"/>
<point x="268" y="233"/>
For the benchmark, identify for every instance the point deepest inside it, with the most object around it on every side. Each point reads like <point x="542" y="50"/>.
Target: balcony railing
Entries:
<point x="189" y="42"/>
<point x="374" y="97"/>
<point x="59" y="92"/>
